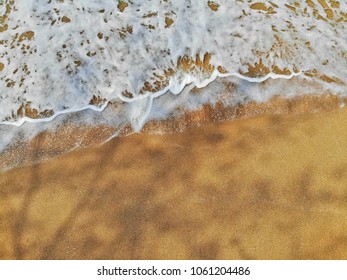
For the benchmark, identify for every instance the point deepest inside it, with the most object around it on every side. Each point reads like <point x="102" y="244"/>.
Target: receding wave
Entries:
<point x="60" y="57"/>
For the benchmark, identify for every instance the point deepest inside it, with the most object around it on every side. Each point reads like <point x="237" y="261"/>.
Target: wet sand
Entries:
<point x="264" y="187"/>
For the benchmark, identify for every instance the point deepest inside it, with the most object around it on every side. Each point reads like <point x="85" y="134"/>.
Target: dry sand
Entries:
<point x="265" y="187"/>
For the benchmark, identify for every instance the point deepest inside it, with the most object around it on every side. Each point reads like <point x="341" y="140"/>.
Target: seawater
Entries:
<point x="62" y="56"/>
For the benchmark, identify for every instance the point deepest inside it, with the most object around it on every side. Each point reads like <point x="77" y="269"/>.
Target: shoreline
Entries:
<point x="33" y="116"/>
<point x="68" y="137"/>
<point x="271" y="186"/>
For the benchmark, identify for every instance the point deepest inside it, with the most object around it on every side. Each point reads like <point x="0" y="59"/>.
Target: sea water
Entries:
<point x="59" y="57"/>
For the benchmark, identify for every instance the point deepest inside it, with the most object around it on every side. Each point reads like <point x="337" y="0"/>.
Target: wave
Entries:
<point x="223" y="99"/>
<point x="174" y="88"/>
<point x="76" y="64"/>
<point x="61" y="57"/>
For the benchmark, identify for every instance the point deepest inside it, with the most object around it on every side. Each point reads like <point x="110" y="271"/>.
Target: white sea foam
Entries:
<point x="230" y="91"/>
<point x="56" y="56"/>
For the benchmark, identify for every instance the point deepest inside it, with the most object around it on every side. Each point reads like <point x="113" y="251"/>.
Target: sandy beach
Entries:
<point x="262" y="187"/>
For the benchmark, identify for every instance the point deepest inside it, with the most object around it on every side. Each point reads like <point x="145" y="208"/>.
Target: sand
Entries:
<point x="263" y="187"/>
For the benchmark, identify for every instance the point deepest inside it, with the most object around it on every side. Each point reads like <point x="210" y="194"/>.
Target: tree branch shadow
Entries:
<point x="60" y="234"/>
<point x="22" y="217"/>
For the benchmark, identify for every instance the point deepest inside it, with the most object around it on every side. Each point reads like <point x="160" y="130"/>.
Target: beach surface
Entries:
<point x="263" y="187"/>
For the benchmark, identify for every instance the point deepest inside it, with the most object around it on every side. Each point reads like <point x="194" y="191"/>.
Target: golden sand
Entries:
<point x="265" y="187"/>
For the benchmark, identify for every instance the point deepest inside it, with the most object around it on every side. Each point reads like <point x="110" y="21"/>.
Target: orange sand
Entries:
<point x="266" y="187"/>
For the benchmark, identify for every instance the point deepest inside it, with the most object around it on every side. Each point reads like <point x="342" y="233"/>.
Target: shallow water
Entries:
<point x="64" y="56"/>
<point x="66" y="61"/>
